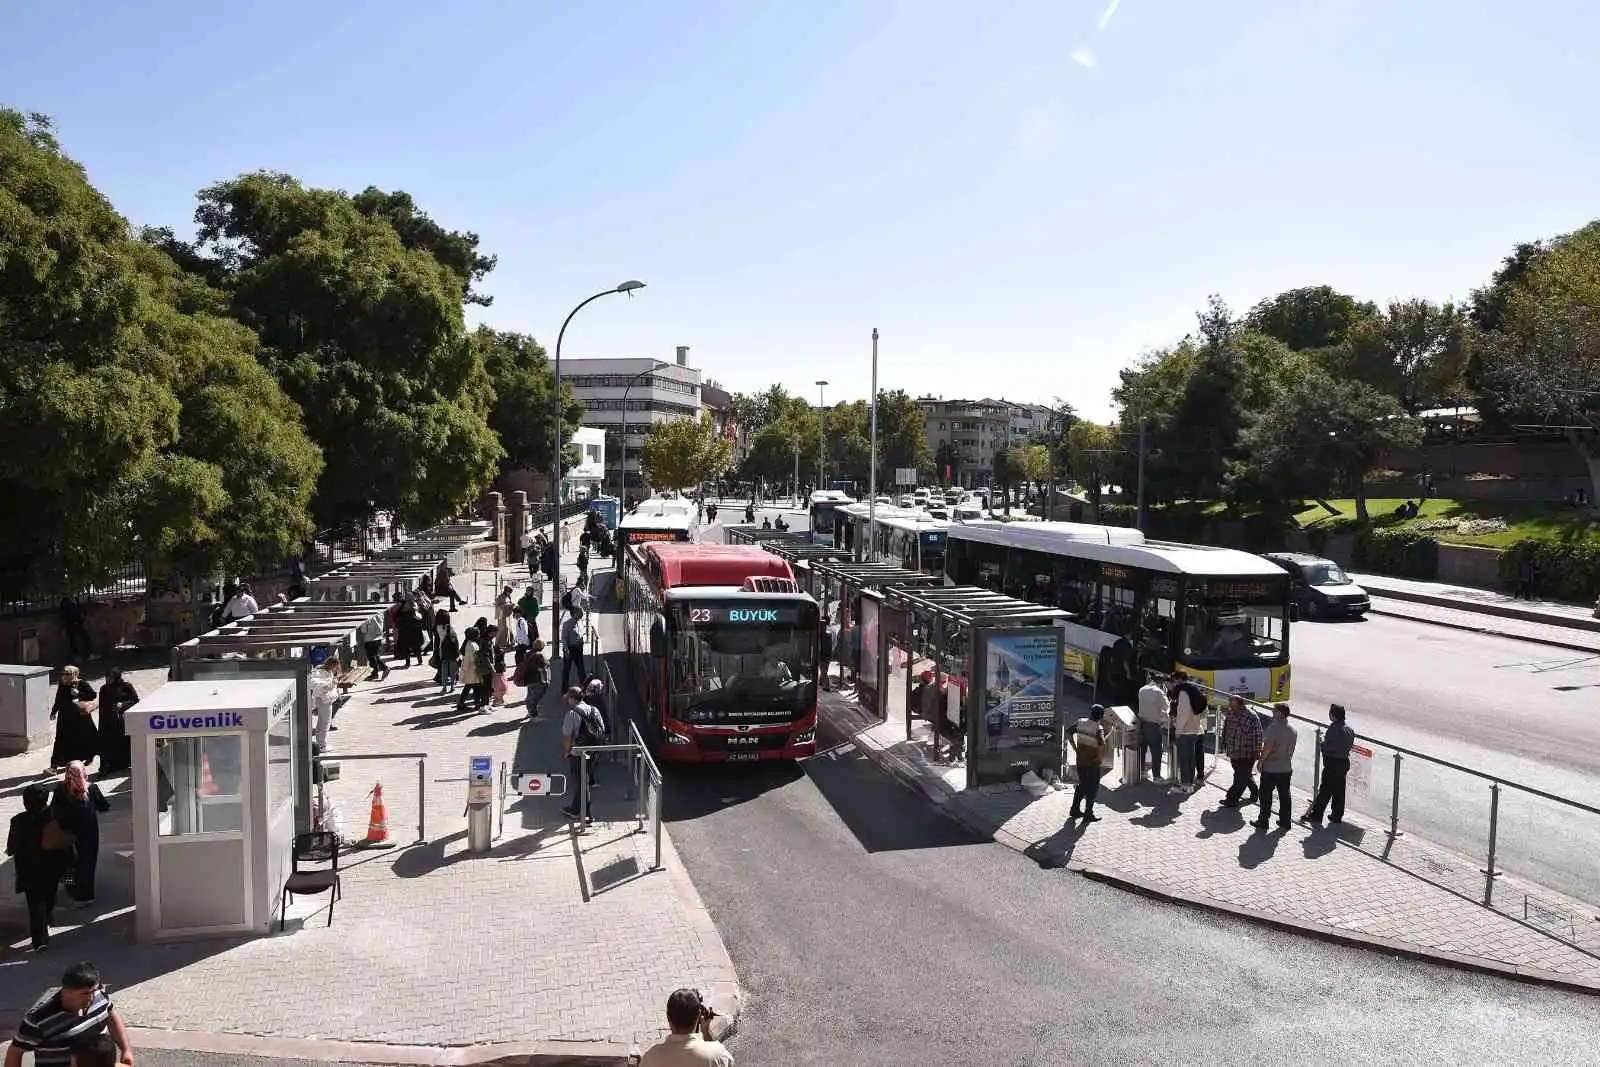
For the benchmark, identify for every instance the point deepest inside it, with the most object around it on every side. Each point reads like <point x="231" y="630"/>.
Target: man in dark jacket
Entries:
<point x="1336" y="745"/>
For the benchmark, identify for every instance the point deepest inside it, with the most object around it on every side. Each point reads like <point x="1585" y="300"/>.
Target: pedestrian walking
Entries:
<point x="519" y="636"/>
<point x="825" y="655"/>
<point x="468" y="671"/>
<point x="446" y="586"/>
<point x="75" y="807"/>
<point x="77" y="736"/>
<point x="370" y="634"/>
<point x="75" y="1013"/>
<point x="449" y="653"/>
<point x="690" y="1043"/>
<point x="1088" y="746"/>
<point x="572" y="646"/>
<point x="581" y="726"/>
<point x="407" y="631"/>
<point x="1336" y="745"/>
<point x="486" y="660"/>
<point x="504" y="604"/>
<point x="1277" y="766"/>
<point x="535" y="671"/>
<point x="1155" y="715"/>
<point x="38" y="868"/>
<point x="1241" y="740"/>
<point x="548" y="561"/>
<point x="1189" y="720"/>
<point x="73" y="625"/>
<point x="529" y="604"/>
<point x="116" y="697"/>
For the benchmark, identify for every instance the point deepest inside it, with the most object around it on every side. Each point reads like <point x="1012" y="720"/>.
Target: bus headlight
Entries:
<point x="674" y="738"/>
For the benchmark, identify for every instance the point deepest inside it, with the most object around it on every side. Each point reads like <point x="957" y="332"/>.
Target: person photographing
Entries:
<point x="690" y="1044"/>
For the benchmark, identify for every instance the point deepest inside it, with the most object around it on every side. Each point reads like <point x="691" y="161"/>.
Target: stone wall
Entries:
<point x="1469" y="565"/>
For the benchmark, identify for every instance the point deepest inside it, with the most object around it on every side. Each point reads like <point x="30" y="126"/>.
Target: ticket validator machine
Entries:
<point x="214" y="799"/>
<point x="480" y="803"/>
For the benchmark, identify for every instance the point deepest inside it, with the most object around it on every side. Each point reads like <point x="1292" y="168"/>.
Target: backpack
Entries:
<point x="592" y="727"/>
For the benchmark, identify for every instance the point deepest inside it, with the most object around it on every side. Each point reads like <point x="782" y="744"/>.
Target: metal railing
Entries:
<point x="644" y="788"/>
<point x="422" y="778"/>
<point x="1520" y="829"/>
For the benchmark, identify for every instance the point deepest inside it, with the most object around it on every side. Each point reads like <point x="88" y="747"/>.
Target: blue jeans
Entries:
<point x="1151" y="735"/>
<point x="1188" y="757"/>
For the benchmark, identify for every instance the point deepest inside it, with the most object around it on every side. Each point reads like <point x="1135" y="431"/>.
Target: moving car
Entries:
<point x="1320" y="587"/>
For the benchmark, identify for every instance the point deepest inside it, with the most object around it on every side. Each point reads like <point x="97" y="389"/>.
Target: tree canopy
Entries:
<point x="683" y="453"/>
<point x="134" y="416"/>
<point x="522" y="379"/>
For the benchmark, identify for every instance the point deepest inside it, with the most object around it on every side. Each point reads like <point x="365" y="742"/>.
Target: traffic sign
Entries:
<point x="538" y="785"/>
<point x="905" y="476"/>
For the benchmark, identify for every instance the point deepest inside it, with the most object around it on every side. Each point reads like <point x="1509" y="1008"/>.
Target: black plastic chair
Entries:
<point x="315" y="847"/>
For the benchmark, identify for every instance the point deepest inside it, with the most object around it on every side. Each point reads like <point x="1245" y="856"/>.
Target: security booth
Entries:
<point x="279" y="643"/>
<point x="214" y="796"/>
<point x="852" y="593"/>
<point x="983" y="672"/>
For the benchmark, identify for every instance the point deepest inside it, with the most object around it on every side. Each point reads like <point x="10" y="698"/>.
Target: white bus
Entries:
<point x="656" y="519"/>
<point x="1220" y="614"/>
<point x="824" y="502"/>
<point x="912" y="538"/>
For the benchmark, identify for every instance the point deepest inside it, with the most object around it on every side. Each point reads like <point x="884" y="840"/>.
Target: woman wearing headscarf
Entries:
<point x="116" y="697"/>
<point x="38" y="869"/>
<point x="76" y="808"/>
<point x="73" y="711"/>
<point x="469" y="668"/>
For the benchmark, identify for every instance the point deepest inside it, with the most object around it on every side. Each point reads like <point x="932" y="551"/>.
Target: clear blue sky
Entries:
<point x="1022" y="197"/>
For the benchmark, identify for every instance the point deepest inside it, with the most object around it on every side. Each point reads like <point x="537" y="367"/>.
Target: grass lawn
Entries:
<point x="1524" y="519"/>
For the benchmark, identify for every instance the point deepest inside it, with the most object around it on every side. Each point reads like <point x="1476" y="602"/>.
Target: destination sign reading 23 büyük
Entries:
<point x="739" y="615"/>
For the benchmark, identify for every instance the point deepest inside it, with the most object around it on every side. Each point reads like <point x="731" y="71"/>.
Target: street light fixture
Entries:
<point x="822" y="435"/>
<point x="628" y="287"/>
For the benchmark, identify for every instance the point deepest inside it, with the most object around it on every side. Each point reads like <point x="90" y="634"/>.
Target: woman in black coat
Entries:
<point x="38" y="869"/>
<point x="116" y="697"/>
<point x="76" y="808"/>
<point x="77" y="738"/>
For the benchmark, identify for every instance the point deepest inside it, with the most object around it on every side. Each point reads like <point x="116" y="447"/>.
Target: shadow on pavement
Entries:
<point x="883" y="814"/>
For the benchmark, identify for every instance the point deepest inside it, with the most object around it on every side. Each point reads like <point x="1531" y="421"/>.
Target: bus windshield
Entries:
<point x="1232" y="621"/>
<point x="726" y="671"/>
<point x="822" y="518"/>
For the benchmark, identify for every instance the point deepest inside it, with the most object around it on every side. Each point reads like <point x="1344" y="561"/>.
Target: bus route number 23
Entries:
<point x="699" y="615"/>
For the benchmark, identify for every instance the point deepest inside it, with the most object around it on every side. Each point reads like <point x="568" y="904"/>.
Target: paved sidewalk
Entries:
<point x="555" y="942"/>
<point x="1482" y="601"/>
<point x="1350" y="883"/>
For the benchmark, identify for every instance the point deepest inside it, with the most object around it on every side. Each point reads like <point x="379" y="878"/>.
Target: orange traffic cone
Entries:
<point x="208" y="784"/>
<point x="378" y="822"/>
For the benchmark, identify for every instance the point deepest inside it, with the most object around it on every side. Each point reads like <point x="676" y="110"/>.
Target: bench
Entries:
<point x="350" y="677"/>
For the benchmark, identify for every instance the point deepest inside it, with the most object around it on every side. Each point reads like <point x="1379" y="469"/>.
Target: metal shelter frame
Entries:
<point x="955" y="627"/>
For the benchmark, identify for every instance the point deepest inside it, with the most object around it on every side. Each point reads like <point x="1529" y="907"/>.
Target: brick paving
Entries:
<point x="552" y="936"/>
<point x="1351" y="879"/>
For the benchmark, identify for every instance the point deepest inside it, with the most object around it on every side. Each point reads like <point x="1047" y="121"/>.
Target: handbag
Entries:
<point x="55" y="839"/>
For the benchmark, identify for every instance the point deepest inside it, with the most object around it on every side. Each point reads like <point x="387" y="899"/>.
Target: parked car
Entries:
<point x="1319" y="587"/>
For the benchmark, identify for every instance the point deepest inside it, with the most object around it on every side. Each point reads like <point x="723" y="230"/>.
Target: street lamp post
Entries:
<point x="655" y="365"/>
<point x="822" y="436"/>
<point x="628" y="287"/>
<point x="872" y="459"/>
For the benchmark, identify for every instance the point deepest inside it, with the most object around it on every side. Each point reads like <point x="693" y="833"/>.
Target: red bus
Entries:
<point x="723" y="649"/>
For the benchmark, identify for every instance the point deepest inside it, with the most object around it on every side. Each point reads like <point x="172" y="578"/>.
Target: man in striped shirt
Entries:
<point x="75" y="1014"/>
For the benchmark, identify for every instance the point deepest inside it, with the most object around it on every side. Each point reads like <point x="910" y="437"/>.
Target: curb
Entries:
<point x="501" y="1054"/>
<point x="1488" y="631"/>
<point x="1335" y="935"/>
<point x="1571" y="622"/>
<point x="899" y="770"/>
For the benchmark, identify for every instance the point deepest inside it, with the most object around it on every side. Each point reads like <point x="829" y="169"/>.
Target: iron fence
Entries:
<point x="128" y="582"/>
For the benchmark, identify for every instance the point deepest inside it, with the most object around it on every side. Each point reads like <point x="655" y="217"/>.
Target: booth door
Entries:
<point x="202" y="877"/>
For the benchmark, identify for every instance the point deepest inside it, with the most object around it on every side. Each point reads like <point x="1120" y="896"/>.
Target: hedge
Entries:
<point x="1567" y="570"/>
<point x="1400" y="553"/>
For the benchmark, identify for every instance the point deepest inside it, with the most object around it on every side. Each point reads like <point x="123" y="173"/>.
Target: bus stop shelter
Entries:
<point x="372" y="580"/>
<point x="857" y="590"/>
<point x="802" y="556"/>
<point x="981" y="671"/>
<point x="747" y="534"/>
<point x="277" y="643"/>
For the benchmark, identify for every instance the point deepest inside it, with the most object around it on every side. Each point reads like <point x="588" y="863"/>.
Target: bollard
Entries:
<point x="1316" y="765"/>
<point x="1394" y="804"/>
<point x="1494" y="830"/>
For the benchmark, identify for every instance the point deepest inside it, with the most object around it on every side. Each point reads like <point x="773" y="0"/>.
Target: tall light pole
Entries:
<point x="655" y="365"/>
<point x="822" y="436"/>
<point x="628" y="287"/>
<point x="872" y="459"/>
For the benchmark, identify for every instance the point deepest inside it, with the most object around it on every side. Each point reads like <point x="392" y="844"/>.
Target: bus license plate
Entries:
<point x="732" y="756"/>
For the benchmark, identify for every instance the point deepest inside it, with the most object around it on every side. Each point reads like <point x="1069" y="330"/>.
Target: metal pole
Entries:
<point x="1140" y="512"/>
<point x="500" y="811"/>
<point x="1394" y="803"/>
<point x="422" y="798"/>
<point x="583" y="786"/>
<point x="822" y="437"/>
<point x="795" y="485"/>
<point x="1494" y="832"/>
<point x="872" y="456"/>
<point x="1316" y="767"/>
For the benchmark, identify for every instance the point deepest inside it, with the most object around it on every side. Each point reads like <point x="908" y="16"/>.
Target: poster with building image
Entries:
<point x="1019" y="723"/>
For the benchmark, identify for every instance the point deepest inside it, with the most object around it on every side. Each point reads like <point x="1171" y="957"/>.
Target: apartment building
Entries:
<point x="977" y="429"/>
<point x="631" y="392"/>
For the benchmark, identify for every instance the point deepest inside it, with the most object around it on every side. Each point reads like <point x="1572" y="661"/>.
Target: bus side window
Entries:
<point x="1075" y="586"/>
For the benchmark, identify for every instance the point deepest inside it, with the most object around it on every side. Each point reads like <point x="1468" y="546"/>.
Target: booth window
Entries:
<point x="280" y="766"/>
<point x="198" y="788"/>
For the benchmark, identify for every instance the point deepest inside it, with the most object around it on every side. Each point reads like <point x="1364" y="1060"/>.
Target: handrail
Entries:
<point x="1486" y="776"/>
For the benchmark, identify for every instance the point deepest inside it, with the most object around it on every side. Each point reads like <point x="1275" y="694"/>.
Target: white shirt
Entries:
<point x="519" y="630"/>
<point x="687" y="1050"/>
<point x="1152" y="703"/>
<point x="241" y="605"/>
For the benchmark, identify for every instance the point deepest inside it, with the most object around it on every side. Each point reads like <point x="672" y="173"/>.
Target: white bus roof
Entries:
<point x="830" y="496"/>
<point x="659" y="513"/>
<point x="910" y="519"/>
<point x="1117" y="544"/>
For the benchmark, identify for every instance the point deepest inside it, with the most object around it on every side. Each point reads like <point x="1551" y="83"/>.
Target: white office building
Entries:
<point x="654" y="390"/>
<point x="587" y="478"/>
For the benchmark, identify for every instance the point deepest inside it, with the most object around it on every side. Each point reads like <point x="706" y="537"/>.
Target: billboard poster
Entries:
<point x="867" y="688"/>
<point x="1019" y="724"/>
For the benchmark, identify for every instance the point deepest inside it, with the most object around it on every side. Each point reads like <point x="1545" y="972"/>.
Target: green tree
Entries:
<point x="1416" y="351"/>
<point x="522" y="378"/>
<point x="1091" y="457"/>
<point x="1541" y="363"/>
<point x="1317" y="316"/>
<point x="362" y="326"/>
<point x="683" y="453"/>
<point x="847" y="429"/>
<point x="902" y="440"/>
<point x="134" y="419"/>
<point x="1320" y="432"/>
<point x="947" y="462"/>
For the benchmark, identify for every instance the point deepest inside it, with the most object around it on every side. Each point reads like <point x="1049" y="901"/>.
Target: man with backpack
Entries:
<point x="1088" y="739"/>
<point x="583" y="725"/>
